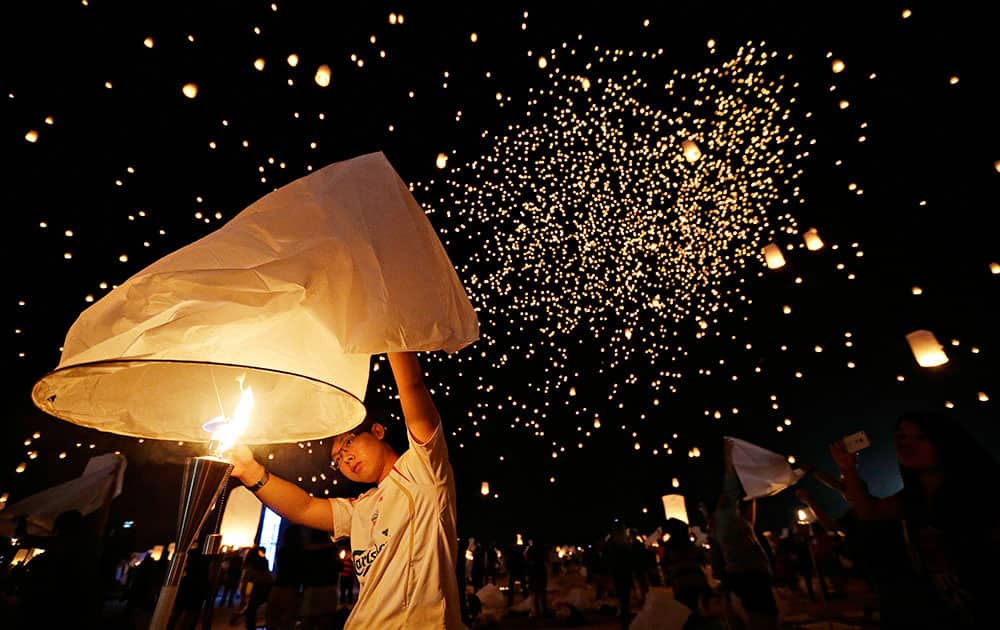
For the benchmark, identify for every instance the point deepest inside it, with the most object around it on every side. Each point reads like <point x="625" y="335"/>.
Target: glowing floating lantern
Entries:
<point x="675" y="507"/>
<point x="240" y="519"/>
<point x="543" y="62"/>
<point x="148" y="42"/>
<point x="259" y="63"/>
<point x="691" y="151"/>
<point x="983" y="397"/>
<point x="812" y="239"/>
<point x="773" y="256"/>
<point x="293" y="60"/>
<point x="442" y="161"/>
<point x="31" y="136"/>
<point x="995" y="268"/>
<point x="484" y="489"/>
<point x="926" y="349"/>
<point x="322" y="77"/>
<point x="675" y="482"/>
<point x="190" y="90"/>
<point x="585" y="84"/>
<point x="837" y="66"/>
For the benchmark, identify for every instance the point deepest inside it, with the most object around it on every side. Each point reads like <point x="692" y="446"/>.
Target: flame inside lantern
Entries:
<point x="226" y="431"/>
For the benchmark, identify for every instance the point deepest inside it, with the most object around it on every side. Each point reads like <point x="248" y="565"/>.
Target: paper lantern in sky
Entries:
<point x="926" y="349"/>
<point x="812" y="239"/>
<point x="485" y="489"/>
<point x="674" y="507"/>
<point x="290" y="298"/>
<point x="322" y="77"/>
<point x="190" y="90"/>
<point x="240" y="519"/>
<point x="691" y="151"/>
<point x="773" y="256"/>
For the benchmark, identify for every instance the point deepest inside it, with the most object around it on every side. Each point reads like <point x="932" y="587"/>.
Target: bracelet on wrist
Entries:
<point x="260" y="482"/>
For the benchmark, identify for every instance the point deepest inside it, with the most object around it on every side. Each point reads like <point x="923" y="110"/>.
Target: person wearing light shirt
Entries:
<point x="403" y="536"/>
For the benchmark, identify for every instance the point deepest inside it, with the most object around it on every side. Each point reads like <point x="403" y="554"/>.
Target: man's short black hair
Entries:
<point x="364" y="427"/>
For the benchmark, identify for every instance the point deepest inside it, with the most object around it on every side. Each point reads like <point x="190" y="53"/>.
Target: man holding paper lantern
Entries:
<point x="403" y="533"/>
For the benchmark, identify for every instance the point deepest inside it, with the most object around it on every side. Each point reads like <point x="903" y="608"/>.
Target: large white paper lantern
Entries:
<point x="290" y="298"/>
<point x="926" y="349"/>
<point x="674" y="507"/>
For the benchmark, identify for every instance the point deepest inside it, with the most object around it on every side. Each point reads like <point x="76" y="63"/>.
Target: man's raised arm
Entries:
<point x="419" y="412"/>
<point x="287" y="499"/>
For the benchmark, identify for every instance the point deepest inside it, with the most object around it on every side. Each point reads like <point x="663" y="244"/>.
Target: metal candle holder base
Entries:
<point x="204" y="479"/>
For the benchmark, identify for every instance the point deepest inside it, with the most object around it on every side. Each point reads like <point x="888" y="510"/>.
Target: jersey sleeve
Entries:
<point x="343" y="514"/>
<point x="427" y="462"/>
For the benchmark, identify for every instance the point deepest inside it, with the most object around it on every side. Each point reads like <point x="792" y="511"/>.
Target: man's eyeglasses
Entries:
<point x="342" y="452"/>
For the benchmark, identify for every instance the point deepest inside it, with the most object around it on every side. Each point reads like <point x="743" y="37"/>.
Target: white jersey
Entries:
<point x="404" y="543"/>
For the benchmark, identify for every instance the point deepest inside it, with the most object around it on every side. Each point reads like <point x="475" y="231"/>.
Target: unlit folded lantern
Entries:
<point x="926" y="349"/>
<point x="674" y="507"/>
<point x="773" y="256"/>
<point x="290" y="297"/>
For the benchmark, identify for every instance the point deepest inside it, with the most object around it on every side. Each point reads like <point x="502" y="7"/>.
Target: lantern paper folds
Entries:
<point x="761" y="472"/>
<point x="292" y="296"/>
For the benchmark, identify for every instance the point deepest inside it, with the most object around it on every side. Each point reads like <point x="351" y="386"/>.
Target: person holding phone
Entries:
<point x="949" y="515"/>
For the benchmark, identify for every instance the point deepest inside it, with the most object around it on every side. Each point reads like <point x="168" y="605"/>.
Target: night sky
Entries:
<point x="628" y="318"/>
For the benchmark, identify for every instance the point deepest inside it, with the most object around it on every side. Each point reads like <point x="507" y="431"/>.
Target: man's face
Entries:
<point x="360" y="457"/>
